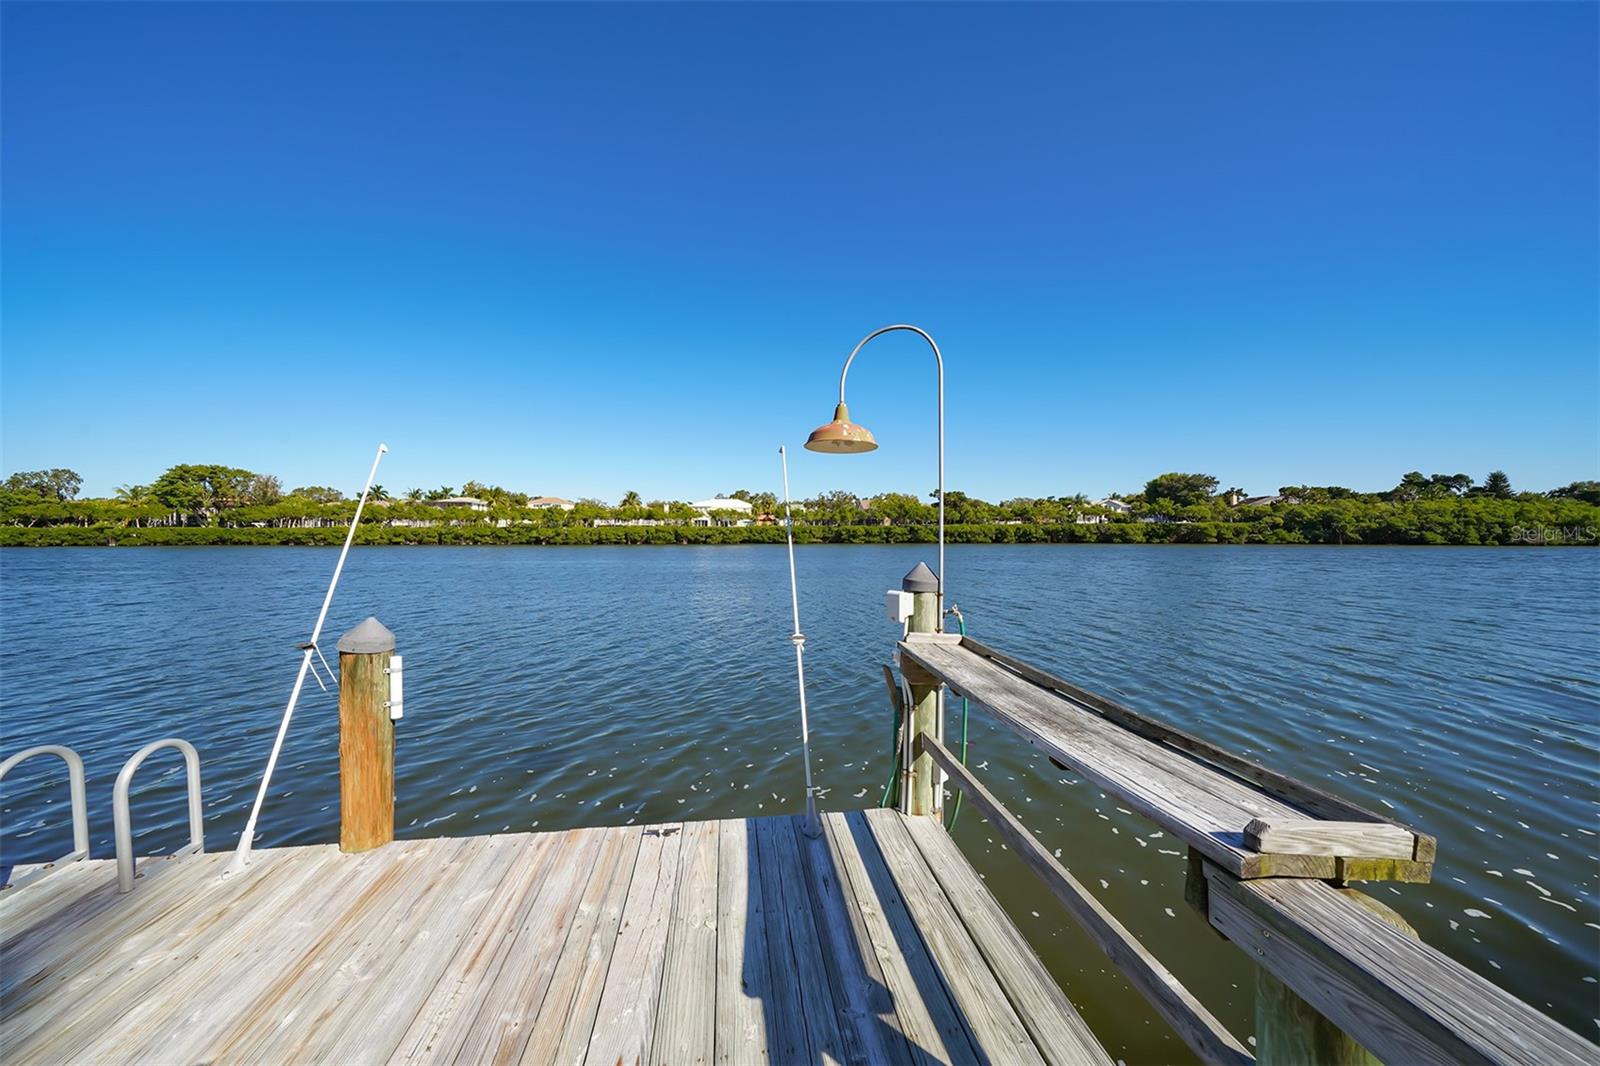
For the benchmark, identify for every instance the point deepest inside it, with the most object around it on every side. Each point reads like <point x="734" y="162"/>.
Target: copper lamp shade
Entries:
<point x="841" y="435"/>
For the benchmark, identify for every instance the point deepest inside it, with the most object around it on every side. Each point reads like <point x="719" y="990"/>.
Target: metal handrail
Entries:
<point x="123" y="823"/>
<point x="80" y="805"/>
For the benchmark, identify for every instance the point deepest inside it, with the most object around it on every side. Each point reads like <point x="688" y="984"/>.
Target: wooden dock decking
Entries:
<point x="735" y="941"/>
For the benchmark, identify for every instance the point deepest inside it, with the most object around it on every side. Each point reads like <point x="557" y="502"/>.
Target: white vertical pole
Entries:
<point x="241" y="854"/>
<point x="813" y="826"/>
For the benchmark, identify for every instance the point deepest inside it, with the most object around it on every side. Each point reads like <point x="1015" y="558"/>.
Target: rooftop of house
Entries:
<point x="721" y="503"/>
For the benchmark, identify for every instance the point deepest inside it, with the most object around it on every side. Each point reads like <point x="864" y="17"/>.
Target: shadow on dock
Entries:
<point x="811" y="960"/>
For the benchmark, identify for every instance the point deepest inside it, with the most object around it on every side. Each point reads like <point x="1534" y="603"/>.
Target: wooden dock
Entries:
<point x="702" y="942"/>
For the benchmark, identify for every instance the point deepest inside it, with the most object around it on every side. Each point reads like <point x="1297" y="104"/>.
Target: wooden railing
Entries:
<point x="1186" y="1014"/>
<point x="1268" y="858"/>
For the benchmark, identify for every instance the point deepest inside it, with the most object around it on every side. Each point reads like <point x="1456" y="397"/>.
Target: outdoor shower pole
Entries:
<point x="938" y="359"/>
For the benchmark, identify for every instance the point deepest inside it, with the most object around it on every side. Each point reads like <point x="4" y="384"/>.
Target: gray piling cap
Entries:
<point x="921" y="579"/>
<point x="368" y="638"/>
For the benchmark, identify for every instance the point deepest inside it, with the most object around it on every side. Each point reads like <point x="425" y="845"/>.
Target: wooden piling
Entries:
<point x="922" y="794"/>
<point x="366" y="738"/>
<point x="1291" y="1032"/>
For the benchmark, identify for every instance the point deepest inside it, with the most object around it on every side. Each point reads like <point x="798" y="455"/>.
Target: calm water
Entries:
<point x="551" y="687"/>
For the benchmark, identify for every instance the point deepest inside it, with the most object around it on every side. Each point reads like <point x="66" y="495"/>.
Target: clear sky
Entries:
<point x="581" y="250"/>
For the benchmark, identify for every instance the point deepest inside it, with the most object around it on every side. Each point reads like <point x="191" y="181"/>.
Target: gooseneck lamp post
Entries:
<point x="843" y="436"/>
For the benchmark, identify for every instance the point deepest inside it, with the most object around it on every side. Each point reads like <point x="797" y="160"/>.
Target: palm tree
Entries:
<point x="378" y="492"/>
<point x="133" y="493"/>
<point x="413" y="495"/>
<point x="631" y="499"/>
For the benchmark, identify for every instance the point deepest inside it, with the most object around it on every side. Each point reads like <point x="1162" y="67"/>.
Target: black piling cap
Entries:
<point x="921" y="579"/>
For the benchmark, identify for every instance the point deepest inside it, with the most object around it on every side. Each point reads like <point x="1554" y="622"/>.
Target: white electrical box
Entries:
<point x="897" y="604"/>
<point x="397" y="688"/>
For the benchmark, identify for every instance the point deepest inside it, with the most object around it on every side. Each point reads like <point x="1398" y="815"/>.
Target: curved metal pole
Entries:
<point x="939" y="359"/>
<point x="123" y="822"/>
<point x="80" y="805"/>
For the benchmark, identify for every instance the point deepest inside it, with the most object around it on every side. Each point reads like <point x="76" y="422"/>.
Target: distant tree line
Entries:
<point x="214" y="503"/>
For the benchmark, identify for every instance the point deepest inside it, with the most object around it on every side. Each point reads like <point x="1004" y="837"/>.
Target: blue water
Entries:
<point x="551" y="687"/>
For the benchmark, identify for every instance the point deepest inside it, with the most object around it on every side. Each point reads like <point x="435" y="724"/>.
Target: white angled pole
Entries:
<point x="241" y="854"/>
<point x="813" y="826"/>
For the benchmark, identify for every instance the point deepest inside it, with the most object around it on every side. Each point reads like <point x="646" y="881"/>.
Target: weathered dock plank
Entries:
<point x="788" y="1039"/>
<point x="561" y="1031"/>
<point x="742" y="976"/>
<point x="710" y="942"/>
<point x="866" y="1008"/>
<point x="933" y="1023"/>
<point x="455" y="990"/>
<point x="98" y="979"/>
<point x="685" y="1026"/>
<point x="625" y="1021"/>
<point x="498" y="1029"/>
<point x="1057" y="1029"/>
<point x="388" y="1006"/>
<point x="984" y="1007"/>
<point x="309" y="994"/>
<point x="830" y="1041"/>
<point x="206" y="991"/>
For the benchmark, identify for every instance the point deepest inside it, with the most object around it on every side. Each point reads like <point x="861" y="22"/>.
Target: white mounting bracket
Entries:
<point x="397" y="690"/>
<point x="897" y="604"/>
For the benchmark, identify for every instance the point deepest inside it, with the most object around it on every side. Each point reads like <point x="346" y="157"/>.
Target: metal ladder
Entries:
<point x="121" y="819"/>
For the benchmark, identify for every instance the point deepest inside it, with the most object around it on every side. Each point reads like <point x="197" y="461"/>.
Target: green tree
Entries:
<point x="1316" y="493"/>
<point x="1587" y="491"/>
<point x="631" y="499"/>
<point x="900" y="509"/>
<point x="318" y="494"/>
<point x="1413" y="486"/>
<point x="1180" y="489"/>
<point x="58" y="484"/>
<point x="1496" y="485"/>
<point x="836" y="508"/>
<point x="199" y="490"/>
<point x="263" y="489"/>
<point x="588" y="509"/>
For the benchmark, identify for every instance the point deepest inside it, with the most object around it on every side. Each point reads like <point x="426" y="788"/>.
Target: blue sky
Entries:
<point x="581" y="250"/>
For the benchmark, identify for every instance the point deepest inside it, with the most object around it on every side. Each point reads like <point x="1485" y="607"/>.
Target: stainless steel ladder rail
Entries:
<point x="80" y="806"/>
<point x="123" y="822"/>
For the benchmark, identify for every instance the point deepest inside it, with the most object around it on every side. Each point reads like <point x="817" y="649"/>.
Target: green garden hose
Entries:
<point x="889" y="791"/>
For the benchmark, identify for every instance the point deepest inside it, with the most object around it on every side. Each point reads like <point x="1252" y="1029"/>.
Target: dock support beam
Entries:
<point x="921" y="794"/>
<point x="366" y="738"/>
<point x="1291" y="1032"/>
